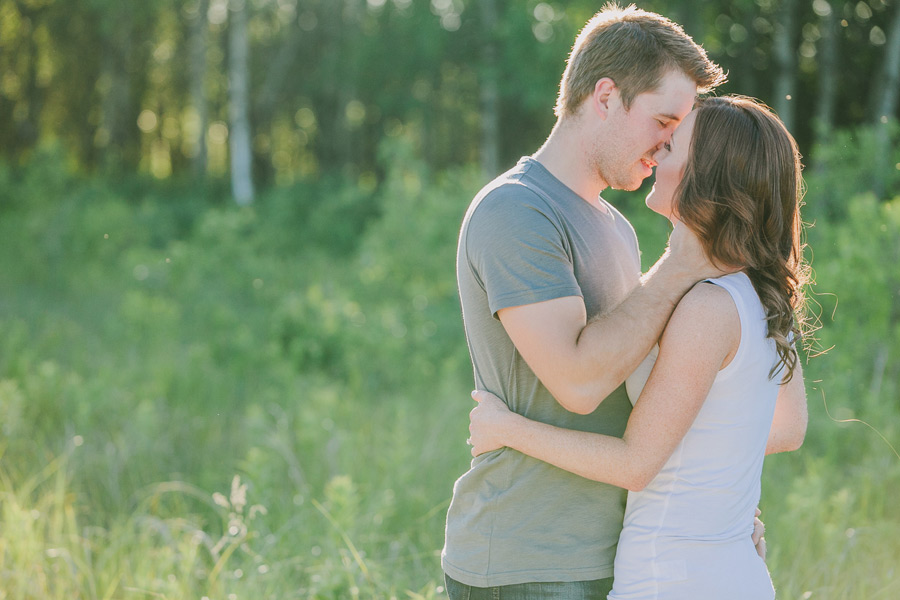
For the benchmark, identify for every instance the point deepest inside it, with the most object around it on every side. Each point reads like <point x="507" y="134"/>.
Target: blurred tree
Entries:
<point x="330" y="95"/>
<point x="785" y="50"/>
<point x="26" y="90"/>
<point x="198" y="43"/>
<point x="886" y="110"/>
<point x="490" y="91"/>
<point x="281" y="64"/>
<point x="116" y="121"/>
<point x="828" y="67"/>
<point x="890" y="71"/>
<point x="158" y="85"/>
<point x="239" y="103"/>
<point x="690" y="15"/>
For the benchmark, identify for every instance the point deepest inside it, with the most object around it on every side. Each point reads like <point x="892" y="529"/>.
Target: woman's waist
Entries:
<point x="720" y="519"/>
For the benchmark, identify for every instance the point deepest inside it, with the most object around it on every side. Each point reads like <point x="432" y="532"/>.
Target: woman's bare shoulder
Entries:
<point x="706" y="297"/>
<point x="706" y="310"/>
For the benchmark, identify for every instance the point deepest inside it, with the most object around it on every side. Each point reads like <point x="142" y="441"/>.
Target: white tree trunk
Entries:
<point x="239" y="104"/>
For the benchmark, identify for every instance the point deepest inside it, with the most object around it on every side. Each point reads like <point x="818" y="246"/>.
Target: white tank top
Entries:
<point x="687" y="534"/>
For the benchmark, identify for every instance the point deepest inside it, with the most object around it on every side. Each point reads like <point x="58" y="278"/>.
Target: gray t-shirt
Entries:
<point x="528" y="238"/>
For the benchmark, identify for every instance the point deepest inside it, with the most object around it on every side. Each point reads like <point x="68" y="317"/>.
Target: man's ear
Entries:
<point x="604" y="89"/>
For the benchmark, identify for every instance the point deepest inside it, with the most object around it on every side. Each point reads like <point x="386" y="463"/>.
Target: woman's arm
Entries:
<point x="702" y="335"/>
<point x="791" y="417"/>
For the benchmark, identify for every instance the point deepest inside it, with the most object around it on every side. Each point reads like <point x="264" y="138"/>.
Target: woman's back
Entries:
<point x="687" y="534"/>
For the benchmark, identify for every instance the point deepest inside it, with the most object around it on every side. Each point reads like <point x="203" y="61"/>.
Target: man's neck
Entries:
<point x="565" y="154"/>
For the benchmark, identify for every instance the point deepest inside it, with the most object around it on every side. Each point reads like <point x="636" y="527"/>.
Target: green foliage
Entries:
<point x="857" y="296"/>
<point x="200" y="400"/>
<point x="853" y="162"/>
<point x="397" y="293"/>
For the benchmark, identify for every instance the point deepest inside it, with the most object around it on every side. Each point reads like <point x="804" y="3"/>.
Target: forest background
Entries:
<point x="232" y="363"/>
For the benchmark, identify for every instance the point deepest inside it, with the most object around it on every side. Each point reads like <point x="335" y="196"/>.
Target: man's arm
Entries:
<point x="581" y="363"/>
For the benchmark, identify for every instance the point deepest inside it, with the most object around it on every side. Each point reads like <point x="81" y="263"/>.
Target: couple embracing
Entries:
<point x="595" y="378"/>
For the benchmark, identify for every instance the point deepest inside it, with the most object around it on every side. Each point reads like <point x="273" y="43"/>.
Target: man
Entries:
<point x="556" y="311"/>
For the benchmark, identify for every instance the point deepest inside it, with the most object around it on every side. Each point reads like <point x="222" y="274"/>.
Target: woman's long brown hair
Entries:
<point x="740" y="193"/>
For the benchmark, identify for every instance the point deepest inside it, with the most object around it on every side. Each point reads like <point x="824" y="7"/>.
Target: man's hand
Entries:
<point x="688" y="254"/>
<point x="759" y="530"/>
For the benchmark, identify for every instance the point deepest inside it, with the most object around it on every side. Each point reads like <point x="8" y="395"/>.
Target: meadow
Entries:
<point x="203" y="401"/>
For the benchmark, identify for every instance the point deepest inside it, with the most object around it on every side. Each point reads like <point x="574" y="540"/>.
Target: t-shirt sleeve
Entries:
<point x="517" y="249"/>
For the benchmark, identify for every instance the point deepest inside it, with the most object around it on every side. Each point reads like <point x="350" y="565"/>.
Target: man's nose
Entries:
<point x="657" y="152"/>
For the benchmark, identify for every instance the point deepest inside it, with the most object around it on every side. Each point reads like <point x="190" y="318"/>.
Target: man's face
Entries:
<point x="625" y="157"/>
<point x="671" y="160"/>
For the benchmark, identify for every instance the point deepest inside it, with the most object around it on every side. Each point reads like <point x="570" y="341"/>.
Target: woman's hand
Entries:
<point x="488" y="422"/>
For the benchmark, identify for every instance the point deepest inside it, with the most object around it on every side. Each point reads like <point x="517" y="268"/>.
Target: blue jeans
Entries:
<point x="575" y="590"/>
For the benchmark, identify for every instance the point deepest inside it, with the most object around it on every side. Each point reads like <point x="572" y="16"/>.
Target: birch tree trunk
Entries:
<point x="239" y="104"/>
<point x="786" y="59"/>
<point x="199" y="33"/>
<point x="490" y="93"/>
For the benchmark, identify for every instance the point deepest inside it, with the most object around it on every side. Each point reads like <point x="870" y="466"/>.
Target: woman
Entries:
<point x="726" y="388"/>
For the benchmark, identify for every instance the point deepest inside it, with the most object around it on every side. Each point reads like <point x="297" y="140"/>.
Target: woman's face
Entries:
<point x="671" y="161"/>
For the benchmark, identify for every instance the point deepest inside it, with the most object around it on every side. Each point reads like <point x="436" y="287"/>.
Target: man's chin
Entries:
<point x="628" y="183"/>
<point x="627" y="186"/>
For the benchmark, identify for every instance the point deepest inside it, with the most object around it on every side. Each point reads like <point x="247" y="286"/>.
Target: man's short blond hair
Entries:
<point x="635" y="49"/>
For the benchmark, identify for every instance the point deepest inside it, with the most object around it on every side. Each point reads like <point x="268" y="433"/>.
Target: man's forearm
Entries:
<point x="581" y="362"/>
<point x="612" y="345"/>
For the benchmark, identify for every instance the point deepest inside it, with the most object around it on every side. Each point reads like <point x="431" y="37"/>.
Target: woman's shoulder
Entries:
<point x="708" y="307"/>
<point x="705" y="323"/>
<point x="707" y="295"/>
